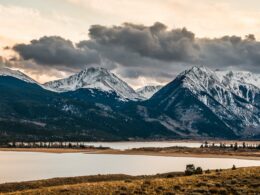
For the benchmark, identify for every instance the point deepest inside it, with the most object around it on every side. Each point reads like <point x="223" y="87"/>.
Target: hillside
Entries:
<point x="239" y="181"/>
<point x="29" y="112"/>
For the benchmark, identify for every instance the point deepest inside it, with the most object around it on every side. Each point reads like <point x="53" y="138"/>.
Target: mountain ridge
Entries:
<point x="198" y="103"/>
<point x="15" y="73"/>
<point x="94" y="78"/>
<point x="235" y="111"/>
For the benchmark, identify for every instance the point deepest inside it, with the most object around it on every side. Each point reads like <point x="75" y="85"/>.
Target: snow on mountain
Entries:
<point x="240" y="76"/>
<point x="147" y="91"/>
<point x="243" y="84"/>
<point x="16" y="74"/>
<point x="200" y="99"/>
<point x="198" y="102"/>
<point x="94" y="78"/>
<point x="236" y="93"/>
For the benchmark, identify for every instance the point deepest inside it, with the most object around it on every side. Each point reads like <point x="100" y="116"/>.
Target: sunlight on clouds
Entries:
<point x="142" y="81"/>
<point x="42" y="78"/>
<point x="204" y="17"/>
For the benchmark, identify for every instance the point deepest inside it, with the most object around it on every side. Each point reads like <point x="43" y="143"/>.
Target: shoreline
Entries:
<point x="179" y="155"/>
<point x="49" y="150"/>
<point x="244" y="156"/>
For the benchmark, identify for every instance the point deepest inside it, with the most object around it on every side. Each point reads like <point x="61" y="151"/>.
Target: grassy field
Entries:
<point x="239" y="181"/>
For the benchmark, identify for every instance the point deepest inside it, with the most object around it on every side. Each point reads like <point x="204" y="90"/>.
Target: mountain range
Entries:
<point x="95" y="104"/>
<point x="147" y="91"/>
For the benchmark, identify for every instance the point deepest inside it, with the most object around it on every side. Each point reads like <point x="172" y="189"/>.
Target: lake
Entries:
<point x="134" y="144"/>
<point x="25" y="166"/>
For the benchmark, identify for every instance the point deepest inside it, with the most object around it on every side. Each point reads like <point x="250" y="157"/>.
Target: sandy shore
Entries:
<point x="178" y="153"/>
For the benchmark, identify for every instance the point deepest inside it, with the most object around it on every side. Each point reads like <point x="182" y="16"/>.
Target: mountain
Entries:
<point x="240" y="77"/>
<point x="95" y="78"/>
<point x="15" y="74"/>
<point x="30" y="112"/>
<point x="147" y="91"/>
<point x="94" y="105"/>
<point x="203" y="102"/>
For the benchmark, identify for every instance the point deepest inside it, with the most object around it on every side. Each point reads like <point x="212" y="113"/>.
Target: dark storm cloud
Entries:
<point x="56" y="51"/>
<point x="176" y="45"/>
<point x="230" y="51"/>
<point x="154" y="42"/>
<point x="139" y="50"/>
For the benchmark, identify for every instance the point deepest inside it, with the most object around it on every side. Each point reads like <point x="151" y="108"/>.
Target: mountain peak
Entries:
<point x="95" y="69"/>
<point x="199" y="70"/>
<point x="199" y="78"/>
<point x="98" y="72"/>
<point x="229" y="95"/>
<point x="94" y="78"/>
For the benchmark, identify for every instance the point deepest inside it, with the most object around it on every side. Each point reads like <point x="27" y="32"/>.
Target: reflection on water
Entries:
<point x="24" y="166"/>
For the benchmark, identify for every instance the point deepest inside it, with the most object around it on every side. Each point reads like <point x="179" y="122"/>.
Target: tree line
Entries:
<point x="235" y="145"/>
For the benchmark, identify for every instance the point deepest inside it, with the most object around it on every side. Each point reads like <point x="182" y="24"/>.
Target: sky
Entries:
<point x="142" y="41"/>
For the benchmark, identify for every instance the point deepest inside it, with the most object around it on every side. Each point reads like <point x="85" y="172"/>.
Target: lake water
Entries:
<point x="25" y="166"/>
<point x="131" y="144"/>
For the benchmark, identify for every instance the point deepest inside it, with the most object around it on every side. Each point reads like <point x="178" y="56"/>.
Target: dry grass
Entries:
<point x="239" y="181"/>
<point x="22" y="186"/>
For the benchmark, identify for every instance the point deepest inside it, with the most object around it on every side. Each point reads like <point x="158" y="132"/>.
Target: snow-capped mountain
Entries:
<point x="244" y="84"/>
<point x="94" y="78"/>
<point x="198" y="103"/>
<point x="205" y="98"/>
<point x="240" y="76"/>
<point x="232" y="93"/>
<point x="16" y="74"/>
<point x="147" y="91"/>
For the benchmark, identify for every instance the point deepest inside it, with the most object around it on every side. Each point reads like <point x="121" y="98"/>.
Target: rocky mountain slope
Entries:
<point x="200" y="101"/>
<point x="148" y="91"/>
<point x="94" y="78"/>
<point x="96" y="105"/>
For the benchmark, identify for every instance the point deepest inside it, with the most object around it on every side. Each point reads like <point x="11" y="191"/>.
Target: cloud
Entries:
<point x="56" y="51"/>
<point x="148" y="41"/>
<point x="205" y="17"/>
<point x="144" y="51"/>
<point x="157" y="48"/>
<point x="231" y="51"/>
